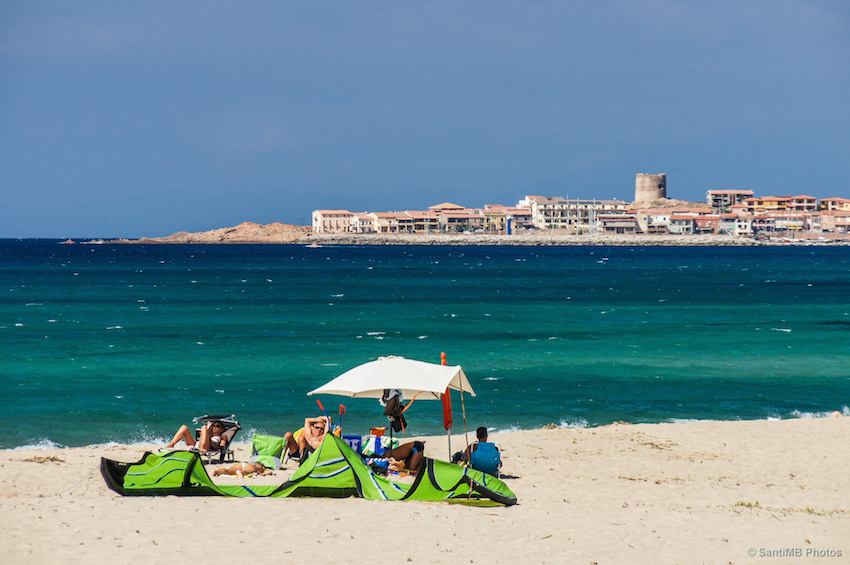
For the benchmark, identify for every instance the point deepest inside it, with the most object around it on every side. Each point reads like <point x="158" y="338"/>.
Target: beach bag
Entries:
<point x="393" y="410"/>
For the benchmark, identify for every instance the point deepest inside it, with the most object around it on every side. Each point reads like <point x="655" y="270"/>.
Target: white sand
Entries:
<point x="705" y="492"/>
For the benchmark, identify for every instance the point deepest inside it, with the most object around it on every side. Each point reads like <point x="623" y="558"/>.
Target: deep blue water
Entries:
<point x="103" y="343"/>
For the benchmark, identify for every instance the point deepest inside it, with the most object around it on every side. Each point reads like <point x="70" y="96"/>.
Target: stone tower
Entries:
<point x="650" y="187"/>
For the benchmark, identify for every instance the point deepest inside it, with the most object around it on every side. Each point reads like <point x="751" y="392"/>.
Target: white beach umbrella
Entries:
<point x="427" y="380"/>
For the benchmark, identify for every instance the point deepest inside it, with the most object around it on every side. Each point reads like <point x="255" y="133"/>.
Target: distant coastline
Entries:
<point x="253" y="233"/>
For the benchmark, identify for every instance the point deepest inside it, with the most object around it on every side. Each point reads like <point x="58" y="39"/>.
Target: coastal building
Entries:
<point x="362" y="223"/>
<point x="620" y="224"/>
<point x="836" y="204"/>
<point x="424" y="221"/>
<point x="573" y="215"/>
<point x="707" y="223"/>
<point x="547" y="212"/>
<point x="767" y="204"/>
<point x="734" y="212"/>
<point x="497" y="217"/>
<point x="385" y="222"/>
<point x="723" y="199"/>
<point x="653" y="221"/>
<point x="803" y="204"/>
<point x="446" y="207"/>
<point x="736" y="224"/>
<point x="681" y="224"/>
<point x="331" y="221"/>
<point x="461" y="220"/>
<point x="835" y="221"/>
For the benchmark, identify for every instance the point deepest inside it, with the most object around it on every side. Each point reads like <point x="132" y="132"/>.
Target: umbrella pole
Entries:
<point x="463" y="409"/>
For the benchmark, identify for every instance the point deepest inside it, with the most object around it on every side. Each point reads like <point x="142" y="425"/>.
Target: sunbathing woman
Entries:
<point x="240" y="470"/>
<point x="411" y="454"/>
<point x="406" y="456"/>
<point x="210" y="437"/>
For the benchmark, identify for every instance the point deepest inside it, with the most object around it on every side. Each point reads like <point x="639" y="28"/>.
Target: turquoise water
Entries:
<point x="107" y="343"/>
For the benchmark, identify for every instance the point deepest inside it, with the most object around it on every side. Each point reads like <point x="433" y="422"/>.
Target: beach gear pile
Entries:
<point x="334" y="470"/>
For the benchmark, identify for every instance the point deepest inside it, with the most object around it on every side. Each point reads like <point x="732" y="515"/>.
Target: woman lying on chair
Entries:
<point x="209" y="439"/>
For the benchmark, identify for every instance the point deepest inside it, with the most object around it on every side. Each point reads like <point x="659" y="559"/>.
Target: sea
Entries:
<point x="111" y="343"/>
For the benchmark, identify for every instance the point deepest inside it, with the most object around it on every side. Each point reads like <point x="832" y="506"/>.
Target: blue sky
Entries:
<point x="145" y="118"/>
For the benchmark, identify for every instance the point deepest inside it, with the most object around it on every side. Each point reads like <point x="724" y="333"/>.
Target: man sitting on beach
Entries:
<point x="465" y="457"/>
<point x="311" y="437"/>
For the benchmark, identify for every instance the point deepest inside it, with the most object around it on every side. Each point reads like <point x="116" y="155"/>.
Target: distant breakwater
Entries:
<point x="526" y="239"/>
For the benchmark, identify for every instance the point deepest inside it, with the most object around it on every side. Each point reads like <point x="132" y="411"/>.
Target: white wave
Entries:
<point x="43" y="444"/>
<point x="574" y="423"/>
<point x="845" y="411"/>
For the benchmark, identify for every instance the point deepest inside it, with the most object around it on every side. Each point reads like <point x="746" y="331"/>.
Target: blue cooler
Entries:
<point x="354" y="442"/>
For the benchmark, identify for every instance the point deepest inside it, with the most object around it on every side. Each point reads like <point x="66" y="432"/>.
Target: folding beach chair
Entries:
<point x="486" y="458"/>
<point x="287" y="456"/>
<point x="231" y="427"/>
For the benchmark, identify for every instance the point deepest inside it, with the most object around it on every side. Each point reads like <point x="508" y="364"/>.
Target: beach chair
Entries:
<point x="486" y="458"/>
<point x="231" y="427"/>
<point x="287" y="456"/>
<point x="268" y="450"/>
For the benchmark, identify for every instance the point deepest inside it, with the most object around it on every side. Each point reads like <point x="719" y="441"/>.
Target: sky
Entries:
<point x="132" y="119"/>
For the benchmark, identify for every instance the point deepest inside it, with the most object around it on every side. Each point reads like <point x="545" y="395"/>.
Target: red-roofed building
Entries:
<point x="835" y="204"/>
<point x="385" y="222"/>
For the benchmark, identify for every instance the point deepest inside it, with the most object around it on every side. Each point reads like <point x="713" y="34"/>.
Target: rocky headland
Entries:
<point x="246" y="232"/>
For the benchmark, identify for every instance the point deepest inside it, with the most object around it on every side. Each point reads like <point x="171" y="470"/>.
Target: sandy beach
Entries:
<point x="702" y="492"/>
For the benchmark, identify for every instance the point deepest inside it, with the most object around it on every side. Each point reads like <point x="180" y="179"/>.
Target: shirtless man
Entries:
<point x="315" y="430"/>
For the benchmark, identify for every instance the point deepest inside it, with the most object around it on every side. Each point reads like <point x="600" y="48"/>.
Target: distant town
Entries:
<point x="732" y="212"/>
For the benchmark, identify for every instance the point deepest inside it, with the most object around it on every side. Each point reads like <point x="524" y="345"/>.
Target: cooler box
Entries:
<point x="354" y="442"/>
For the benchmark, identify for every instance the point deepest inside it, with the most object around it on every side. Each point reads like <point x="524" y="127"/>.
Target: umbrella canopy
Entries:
<point x="369" y="380"/>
